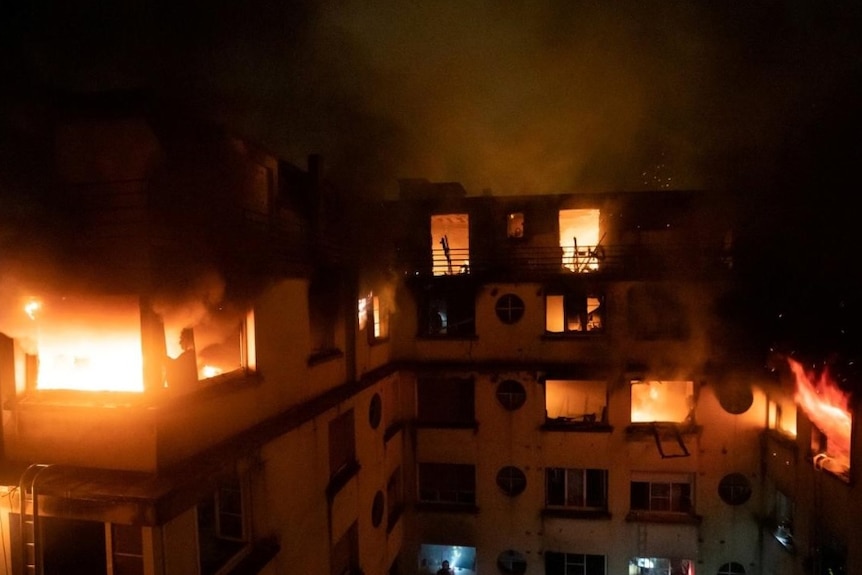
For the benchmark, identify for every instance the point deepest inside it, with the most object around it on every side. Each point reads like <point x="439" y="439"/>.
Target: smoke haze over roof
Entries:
<point x="526" y="98"/>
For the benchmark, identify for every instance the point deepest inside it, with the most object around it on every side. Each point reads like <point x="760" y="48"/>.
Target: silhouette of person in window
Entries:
<point x="181" y="372"/>
<point x="444" y="569"/>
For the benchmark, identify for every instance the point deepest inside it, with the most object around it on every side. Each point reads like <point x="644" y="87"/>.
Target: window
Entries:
<point x="782" y="416"/>
<point x="127" y="549"/>
<point x="573" y="564"/>
<point x="448" y="310"/>
<point x="661" y="566"/>
<point x="461" y="558"/>
<point x="515" y="225"/>
<point x="579" y="238"/>
<point x="731" y="568"/>
<point x="575" y="401"/>
<point x="574" y="313"/>
<point x="782" y="512"/>
<point x="342" y="444"/>
<point x="377" y="508"/>
<point x="735" y="397"/>
<point x="511" y="561"/>
<point x="511" y="394"/>
<point x="450" y="244"/>
<point x="324" y="305"/>
<point x="344" y="555"/>
<point x="374" y="314"/>
<point x="221" y="525"/>
<point x="509" y="308"/>
<point x="446" y="402"/>
<point x="394" y="498"/>
<point x="511" y="480"/>
<point x="447" y="483"/>
<point x="662" y="401"/>
<point x="375" y="411"/>
<point x="69" y="546"/>
<point x="655" y="313"/>
<point x="661" y="493"/>
<point x="576" y="488"/>
<point x="734" y="489"/>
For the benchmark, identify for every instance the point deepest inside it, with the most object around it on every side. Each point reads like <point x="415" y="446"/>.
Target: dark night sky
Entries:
<point x="759" y="100"/>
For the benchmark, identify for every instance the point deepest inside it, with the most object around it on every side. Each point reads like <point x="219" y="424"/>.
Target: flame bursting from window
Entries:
<point x="827" y="407"/>
<point x="662" y="401"/>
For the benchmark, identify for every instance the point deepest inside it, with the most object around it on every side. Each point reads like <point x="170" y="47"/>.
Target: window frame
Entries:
<point x="574" y="304"/>
<point x="451" y="485"/>
<point x="559" y="563"/>
<point x="578" y="482"/>
<point x="677" y="489"/>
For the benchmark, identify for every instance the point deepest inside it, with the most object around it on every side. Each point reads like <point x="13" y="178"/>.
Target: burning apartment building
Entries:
<point x="213" y="362"/>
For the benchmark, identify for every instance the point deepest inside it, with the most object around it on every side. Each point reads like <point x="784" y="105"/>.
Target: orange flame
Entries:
<point x="827" y="406"/>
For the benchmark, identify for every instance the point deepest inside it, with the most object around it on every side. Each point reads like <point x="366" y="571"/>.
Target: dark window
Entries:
<point x="445" y="401"/>
<point x="324" y="305"/>
<point x="375" y="411"/>
<point x="511" y="394"/>
<point x="447" y="483"/>
<point x="128" y="549"/>
<point x="735" y="398"/>
<point x="576" y="488"/>
<point x="377" y="507"/>
<point x="221" y="525"/>
<point x="574" y="313"/>
<point x="72" y="547"/>
<point x="573" y="564"/>
<point x="511" y="561"/>
<point x="509" y="308"/>
<point x="734" y="489"/>
<point x="511" y="480"/>
<point x="668" y="496"/>
<point x="656" y="313"/>
<point x="394" y="497"/>
<point x="344" y="555"/>
<point x="449" y="310"/>
<point x="342" y="443"/>
<point x="732" y="568"/>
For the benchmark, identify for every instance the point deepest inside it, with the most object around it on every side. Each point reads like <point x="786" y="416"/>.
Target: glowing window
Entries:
<point x="579" y="238"/>
<point x="575" y="401"/>
<point x="662" y="401"/>
<point x="660" y="566"/>
<point x="459" y="558"/>
<point x="377" y="314"/>
<point x="450" y="244"/>
<point x="515" y="225"/>
<point x="781" y="416"/>
<point x="574" y="313"/>
<point x="576" y="488"/>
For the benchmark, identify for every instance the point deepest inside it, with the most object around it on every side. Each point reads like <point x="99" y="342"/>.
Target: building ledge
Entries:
<point x="662" y="517"/>
<point x="562" y="424"/>
<point x="447" y="508"/>
<point x="552" y="512"/>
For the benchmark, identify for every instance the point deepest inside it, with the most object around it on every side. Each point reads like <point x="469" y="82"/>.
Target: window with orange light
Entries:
<point x="665" y="401"/>
<point x="576" y="401"/>
<point x="574" y="313"/>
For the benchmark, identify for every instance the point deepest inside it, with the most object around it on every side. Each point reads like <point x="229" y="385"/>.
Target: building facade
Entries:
<point x="242" y="370"/>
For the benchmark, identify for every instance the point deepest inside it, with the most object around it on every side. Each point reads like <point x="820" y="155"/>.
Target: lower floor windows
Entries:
<point x="574" y="564"/>
<point x="447" y="483"/>
<point x="576" y="488"/>
<point x="660" y="566"/>
<point x="661" y="493"/>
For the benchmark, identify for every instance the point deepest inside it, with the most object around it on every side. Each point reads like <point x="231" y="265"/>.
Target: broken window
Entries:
<point x="661" y="566"/>
<point x="445" y="402"/>
<point x="663" y="493"/>
<point x="662" y="401"/>
<point x="579" y="238"/>
<point x="576" y="401"/>
<point x="573" y="564"/>
<point x="574" y="312"/>
<point x="450" y="244"/>
<point x="447" y="483"/>
<point x="585" y="489"/>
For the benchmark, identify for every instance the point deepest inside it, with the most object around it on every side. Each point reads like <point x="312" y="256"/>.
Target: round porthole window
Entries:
<point x="377" y="509"/>
<point x="511" y="480"/>
<point x="511" y="561"/>
<point x="734" y="489"/>
<point x="735" y="398"/>
<point x="375" y="411"/>
<point x="509" y="308"/>
<point x="511" y="394"/>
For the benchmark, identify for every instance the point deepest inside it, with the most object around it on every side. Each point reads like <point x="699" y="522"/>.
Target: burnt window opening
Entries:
<point x="511" y="480"/>
<point x="515" y="225"/>
<point x="574" y="563"/>
<point x="662" y="401"/>
<point x="662" y="494"/>
<point x="448" y="311"/>
<point x="574" y="312"/>
<point x="449" y="483"/>
<point x="734" y="489"/>
<point x="655" y="313"/>
<point x="450" y="244"/>
<point x="509" y="308"/>
<point x="576" y="402"/>
<point x="445" y="402"/>
<point x="585" y="489"/>
<point x="222" y="524"/>
<point x="511" y="394"/>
